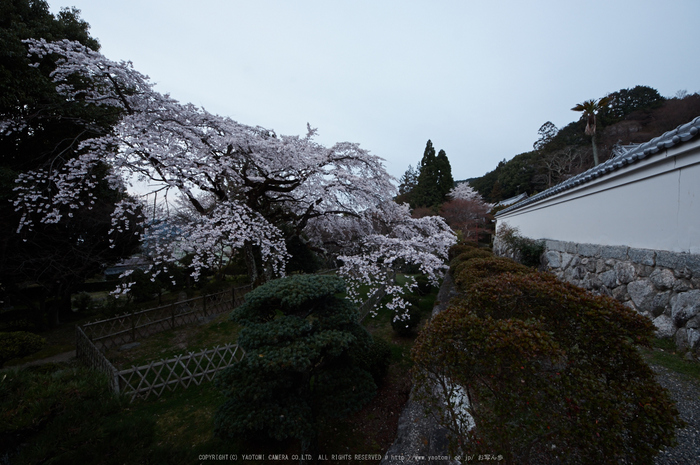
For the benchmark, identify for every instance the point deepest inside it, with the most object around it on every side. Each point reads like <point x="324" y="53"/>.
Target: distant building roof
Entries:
<point x="512" y="200"/>
<point x="135" y="262"/>
<point x="655" y="146"/>
<point x="622" y="150"/>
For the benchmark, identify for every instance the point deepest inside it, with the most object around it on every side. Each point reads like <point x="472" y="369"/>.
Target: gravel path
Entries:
<point x="686" y="394"/>
<point x="64" y="357"/>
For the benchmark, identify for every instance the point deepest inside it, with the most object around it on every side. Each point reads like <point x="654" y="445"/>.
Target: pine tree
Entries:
<point x="409" y="180"/>
<point x="304" y="363"/>
<point x="407" y="184"/>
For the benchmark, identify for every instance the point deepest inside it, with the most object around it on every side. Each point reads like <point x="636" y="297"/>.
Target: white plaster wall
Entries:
<point x="652" y="204"/>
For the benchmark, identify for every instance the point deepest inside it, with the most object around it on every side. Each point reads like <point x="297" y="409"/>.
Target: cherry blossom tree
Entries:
<point x="42" y="268"/>
<point x="470" y="216"/>
<point x="466" y="211"/>
<point x="464" y="191"/>
<point x="259" y="187"/>
<point x="382" y="241"/>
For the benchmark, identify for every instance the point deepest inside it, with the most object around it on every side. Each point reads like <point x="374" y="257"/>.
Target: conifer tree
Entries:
<point x="445" y="182"/>
<point x="303" y="364"/>
<point x="435" y="179"/>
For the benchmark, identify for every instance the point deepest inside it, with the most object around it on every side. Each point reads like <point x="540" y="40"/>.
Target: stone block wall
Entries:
<point x="664" y="286"/>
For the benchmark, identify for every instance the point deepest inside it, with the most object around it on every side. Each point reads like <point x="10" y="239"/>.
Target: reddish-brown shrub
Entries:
<point x="498" y="366"/>
<point x="471" y="216"/>
<point x="469" y="255"/>
<point x="551" y="372"/>
<point x="570" y="310"/>
<point x="471" y="271"/>
<point x="460" y="248"/>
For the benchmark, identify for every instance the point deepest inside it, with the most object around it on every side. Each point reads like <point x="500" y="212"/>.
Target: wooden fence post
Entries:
<point x="78" y="344"/>
<point x="172" y="315"/>
<point x="115" y="381"/>
<point x="204" y="304"/>
<point x="233" y="298"/>
<point x="133" y="325"/>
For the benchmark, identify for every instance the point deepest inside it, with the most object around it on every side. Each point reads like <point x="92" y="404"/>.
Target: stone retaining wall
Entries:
<point x="664" y="286"/>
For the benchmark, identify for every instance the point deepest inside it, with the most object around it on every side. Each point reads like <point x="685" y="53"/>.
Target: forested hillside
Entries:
<point x="628" y="116"/>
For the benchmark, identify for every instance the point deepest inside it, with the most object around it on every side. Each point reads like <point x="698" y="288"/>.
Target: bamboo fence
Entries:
<point x="130" y="327"/>
<point x="88" y="353"/>
<point x="180" y="371"/>
<point x="93" y="339"/>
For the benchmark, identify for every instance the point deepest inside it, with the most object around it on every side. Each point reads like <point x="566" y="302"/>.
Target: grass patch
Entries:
<point x="64" y="413"/>
<point x="664" y="353"/>
<point x="182" y="340"/>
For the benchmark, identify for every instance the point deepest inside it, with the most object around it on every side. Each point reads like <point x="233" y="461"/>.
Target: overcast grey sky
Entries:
<point x="478" y="78"/>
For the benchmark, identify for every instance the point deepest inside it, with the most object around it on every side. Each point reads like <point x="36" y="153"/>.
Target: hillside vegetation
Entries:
<point x="633" y="116"/>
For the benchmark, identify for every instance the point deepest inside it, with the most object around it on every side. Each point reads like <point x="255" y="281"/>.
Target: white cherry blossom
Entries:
<point x="254" y="180"/>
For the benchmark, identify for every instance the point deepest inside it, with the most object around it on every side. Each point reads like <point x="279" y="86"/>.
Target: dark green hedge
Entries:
<point x="307" y="360"/>
<point x="19" y="344"/>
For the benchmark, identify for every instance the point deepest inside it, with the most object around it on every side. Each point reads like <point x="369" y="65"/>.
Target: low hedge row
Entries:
<point x="460" y="248"/>
<point x="548" y="372"/>
<point x="17" y="344"/>
<point x="468" y="255"/>
<point x="471" y="271"/>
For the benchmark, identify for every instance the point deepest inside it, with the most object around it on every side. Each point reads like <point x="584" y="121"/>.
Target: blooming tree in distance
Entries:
<point x="465" y="192"/>
<point x="466" y="211"/>
<point x="248" y="187"/>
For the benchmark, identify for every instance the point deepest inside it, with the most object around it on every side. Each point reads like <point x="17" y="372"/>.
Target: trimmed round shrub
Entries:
<point x="470" y="272"/>
<point x="424" y="285"/>
<point x="574" y="314"/>
<point x="298" y="371"/>
<point x="469" y="255"/>
<point x="498" y="366"/>
<point x="82" y="302"/>
<point x="551" y="372"/>
<point x="460" y="248"/>
<point x="19" y="344"/>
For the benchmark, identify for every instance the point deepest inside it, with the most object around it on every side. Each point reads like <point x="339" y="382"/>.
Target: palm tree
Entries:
<point x="590" y="108"/>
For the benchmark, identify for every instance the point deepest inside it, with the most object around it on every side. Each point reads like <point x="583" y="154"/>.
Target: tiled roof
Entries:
<point x="682" y="133"/>
<point x="512" y="200"/>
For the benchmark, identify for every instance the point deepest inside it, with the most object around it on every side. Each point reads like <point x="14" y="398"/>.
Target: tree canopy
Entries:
<point x="248" y="188"/>
<point x="41" y="131"/>
<point x="382" y="241"/>
<point x="626" y="101"/>
<point x="429" y="186"/>
<point x="630" y="116"/>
